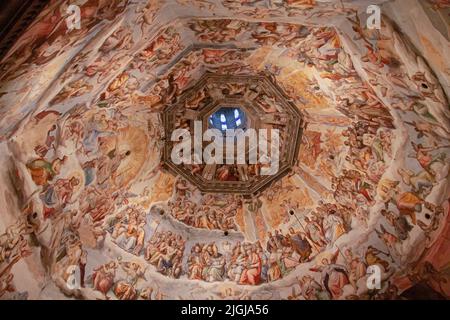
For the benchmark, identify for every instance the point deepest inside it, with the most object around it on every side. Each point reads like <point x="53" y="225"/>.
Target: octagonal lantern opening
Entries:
<point x="234" y="102"/>
<point x="228" y="118"/>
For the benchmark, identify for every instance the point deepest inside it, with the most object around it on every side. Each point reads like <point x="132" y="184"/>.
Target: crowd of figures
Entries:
<point x="93" y="187"/>
<point x="355" y="188"/>
<point x="127" y="230"/>
<point x="165" y="251"/>
<point x="370" y="151"/>
<point x="83" y="187"/>
<point x="213" y="212"/>
<point x="121" y="278"/>
<point x="249" y="263"/>
<point x="56" y="194"/>
<point x="13" y="247"/>
<point x="243" y="263"/>
<point x="342" y="271"/>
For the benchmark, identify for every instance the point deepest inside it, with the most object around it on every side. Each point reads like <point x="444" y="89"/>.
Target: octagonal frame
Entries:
<point x="292" y="133"/>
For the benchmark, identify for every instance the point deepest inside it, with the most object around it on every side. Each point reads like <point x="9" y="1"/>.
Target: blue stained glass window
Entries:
<point x="228" y="118"/>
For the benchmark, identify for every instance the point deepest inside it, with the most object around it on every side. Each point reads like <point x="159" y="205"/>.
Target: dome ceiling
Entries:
<point x="96" y="208"/>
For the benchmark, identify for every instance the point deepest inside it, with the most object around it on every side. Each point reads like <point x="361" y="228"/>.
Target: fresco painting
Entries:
<point x="89" y="203"/>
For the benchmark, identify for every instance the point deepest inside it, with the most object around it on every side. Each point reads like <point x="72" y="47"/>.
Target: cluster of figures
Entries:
<point x="264" y="33"/>
<point x="13" y="247"/>
<point x="127" y="230"/>
<point x="243" y="263"/>
<point x="55" y="195"/>
<point x="285" y="252"/>
<point x="92" y="136"/>
<point x="369" y="149"/>
<point x="96" y="186"/>
<point x="335" y="278"/>
<point x="273" y="8"/>
<point x="214" y="212"/>
<point x="122" y="279"/>
<point x="165" y="251"/>
<point x="324" y="225"/>
<point x="249" y="263"/>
